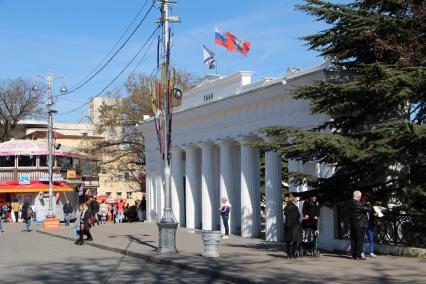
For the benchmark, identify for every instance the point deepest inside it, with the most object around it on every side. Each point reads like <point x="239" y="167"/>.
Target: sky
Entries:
<point x="70" y="38"/>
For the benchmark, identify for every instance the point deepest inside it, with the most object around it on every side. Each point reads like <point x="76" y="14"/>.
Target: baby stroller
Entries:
<point x="310" y="233"/>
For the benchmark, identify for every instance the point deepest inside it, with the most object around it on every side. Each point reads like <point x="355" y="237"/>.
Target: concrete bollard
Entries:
<point x="211" y="241"/>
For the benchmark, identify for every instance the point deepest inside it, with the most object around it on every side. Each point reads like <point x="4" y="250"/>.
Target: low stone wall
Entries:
<point x="399" y="250"/>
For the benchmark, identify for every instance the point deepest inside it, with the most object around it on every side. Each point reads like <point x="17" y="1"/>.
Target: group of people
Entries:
<point x="15" y="210"/>
<point x="91" y="212"/>
<point x="360" y="214"/>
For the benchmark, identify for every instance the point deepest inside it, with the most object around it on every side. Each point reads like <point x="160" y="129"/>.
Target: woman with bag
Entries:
<point x="86" y="221"/>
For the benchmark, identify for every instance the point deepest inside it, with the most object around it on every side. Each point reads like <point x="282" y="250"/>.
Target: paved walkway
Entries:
<point x="37" y="258"/>
<point x="253" y="260"/>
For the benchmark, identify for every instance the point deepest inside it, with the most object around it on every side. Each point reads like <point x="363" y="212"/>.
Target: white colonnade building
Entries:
<point x="212" y="157"/>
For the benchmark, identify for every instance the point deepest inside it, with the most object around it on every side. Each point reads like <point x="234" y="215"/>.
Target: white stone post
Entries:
<point x="250" y="193"/>
<point x="177" y="186"/>
<point x="207" y="186"/>
<point x="192" y="188"/>
<point x="273" y="196"/>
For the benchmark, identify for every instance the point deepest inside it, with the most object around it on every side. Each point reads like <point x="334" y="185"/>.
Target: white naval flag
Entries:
<point x="209" y="57"/>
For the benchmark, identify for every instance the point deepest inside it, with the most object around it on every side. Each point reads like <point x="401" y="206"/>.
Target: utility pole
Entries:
<point x="167" y="225"/>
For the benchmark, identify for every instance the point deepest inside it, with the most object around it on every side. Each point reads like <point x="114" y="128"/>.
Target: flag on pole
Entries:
<point x="220" y="38"/>
<point x="208" y="57"/>
<point x="231" y="42"/>
<point x="237" y="45"/>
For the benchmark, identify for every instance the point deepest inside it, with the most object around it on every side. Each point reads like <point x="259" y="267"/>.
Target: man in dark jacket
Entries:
<point x="67" y="212"/>
<point x="358" y="223"/>
<point x="26" y="213"/>
<point x="311" y="213"/>
<point x="94" y="208"/>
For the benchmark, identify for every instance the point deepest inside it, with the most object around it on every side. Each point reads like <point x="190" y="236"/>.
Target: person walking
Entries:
<point x="77" y="222"/>
<point x="67" y="212"/>
<point x="26" y="214"/>
<point x="371" y="216"/>
<point x="15" y="208"/>
<point x="1" y="214"/>
<point x="143" y="208"/>
<point x="94" y="208"/>
<point x="358" y="224"/>
<point x="292" y="228"/>
<point x="114" y="213"/>
<point x="103" y="211"/>
<point x="120" y="209"/>
<point x="224" y="209"/>
<point x="85" y="223"/>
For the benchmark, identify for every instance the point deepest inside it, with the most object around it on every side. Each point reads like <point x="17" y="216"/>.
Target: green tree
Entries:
<point x="375" y="96"/>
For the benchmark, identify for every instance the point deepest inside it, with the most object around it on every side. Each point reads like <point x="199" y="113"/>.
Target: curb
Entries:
<point x="160" y="260"/>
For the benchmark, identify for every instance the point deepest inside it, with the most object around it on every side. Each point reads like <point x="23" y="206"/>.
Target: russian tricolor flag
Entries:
<point x="220" y="38"/>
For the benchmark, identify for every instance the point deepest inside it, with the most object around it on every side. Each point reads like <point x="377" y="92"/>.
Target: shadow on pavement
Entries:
<point x="86" y="270"/>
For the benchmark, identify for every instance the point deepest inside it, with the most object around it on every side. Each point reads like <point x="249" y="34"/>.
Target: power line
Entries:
<point x="119" y="74"/>
<point x="114" y="46"/>
<point x="115" y="53"/>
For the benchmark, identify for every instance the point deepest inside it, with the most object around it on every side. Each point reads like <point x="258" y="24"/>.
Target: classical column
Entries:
<point x="273" y="192"/>
<point x="192" y="188"/>
<point x="177" y="186"/>
<point x="250" y="193"/>
<point x="207" y="186"/>
<point x="148" y="196"/>
<point x="227" y="180"/>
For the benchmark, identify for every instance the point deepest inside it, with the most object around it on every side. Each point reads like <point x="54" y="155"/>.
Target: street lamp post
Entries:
<point x="49" y="78"/>
<point x="167" y="225"/>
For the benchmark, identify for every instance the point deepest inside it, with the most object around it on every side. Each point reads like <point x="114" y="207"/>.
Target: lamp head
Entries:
<point x="63" y="90"/>
<point x="35" y="89"/>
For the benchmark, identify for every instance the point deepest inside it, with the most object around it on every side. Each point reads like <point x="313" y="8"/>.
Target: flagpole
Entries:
<point x="227" y="59"/>
<point x="215" y="52"/>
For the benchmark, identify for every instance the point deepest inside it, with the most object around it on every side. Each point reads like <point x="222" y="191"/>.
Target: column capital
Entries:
<point x="247" y="139"/>
<point x="205" y="144"/>
<point x="269" y="139"/>
<point x="189" y="147"/>
<point x="225" y="141"/>
<point x="176" y="149"/>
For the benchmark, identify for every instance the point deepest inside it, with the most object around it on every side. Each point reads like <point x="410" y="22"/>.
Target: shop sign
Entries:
<point x="110" y="199"/>
<point x="56" y="177"/>
<point x="71" y="174"/>
<point x="24" y="180"/>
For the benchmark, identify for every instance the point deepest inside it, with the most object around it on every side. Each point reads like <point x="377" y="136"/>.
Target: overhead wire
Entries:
<point x="119" y="74"/>
<point x="115" y="53"/>
<point x="114" y="46"/>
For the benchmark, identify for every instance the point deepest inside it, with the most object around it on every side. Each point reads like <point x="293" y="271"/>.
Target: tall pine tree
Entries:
<point x="376" y="137"/>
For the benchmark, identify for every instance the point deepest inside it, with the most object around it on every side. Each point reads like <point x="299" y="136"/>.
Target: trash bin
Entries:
<point x="211" y="241"/>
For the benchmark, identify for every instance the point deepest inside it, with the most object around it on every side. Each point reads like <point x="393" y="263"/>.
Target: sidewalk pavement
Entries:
<point x="248" y="260"/>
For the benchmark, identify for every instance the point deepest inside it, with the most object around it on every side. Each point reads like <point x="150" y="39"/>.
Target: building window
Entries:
<point x="7" y="161"/>
<point x="64" y="162"/>
<point x="126" y="175"/>
<point x="27" y="161"/>
<point x="108" y="193"/>
<point x="43" y="161"/>
<point x="118" y="194"/>
<point x="129" y="195"/>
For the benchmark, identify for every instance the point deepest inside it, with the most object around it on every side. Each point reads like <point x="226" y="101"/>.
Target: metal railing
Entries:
<point x="393" y="228"/>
